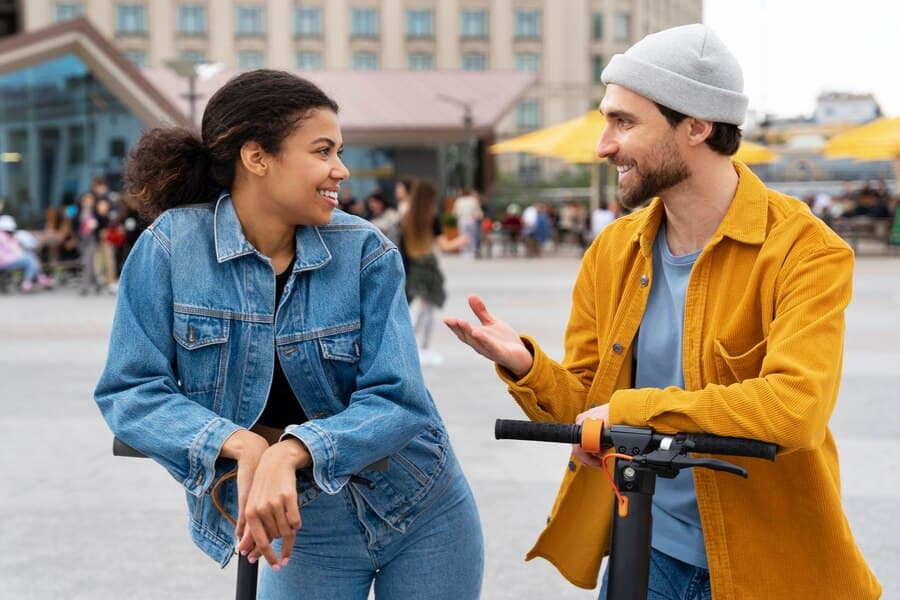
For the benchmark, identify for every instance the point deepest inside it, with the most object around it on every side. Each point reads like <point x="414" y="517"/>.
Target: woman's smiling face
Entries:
<point x="303" y="180"/>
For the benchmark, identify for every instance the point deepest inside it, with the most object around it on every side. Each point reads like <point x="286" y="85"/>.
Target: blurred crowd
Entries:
<point x="84" y="242"/>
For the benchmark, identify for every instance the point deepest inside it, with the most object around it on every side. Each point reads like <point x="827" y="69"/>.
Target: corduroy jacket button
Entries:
<point x="644" y="280"/>
<point x="617" y="348"/>
<point x="571" y="465"/>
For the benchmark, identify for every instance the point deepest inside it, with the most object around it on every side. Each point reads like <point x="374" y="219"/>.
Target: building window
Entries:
<point x="308" y="21"/>
<point x="419" y="23"/>
<point x="192" y="19"/>
<point x="528" y="63"/>
<point x="528" y="24"/>
<point x="597" y="23"/>
<point x="365" y="61"/>
<point x="250" y="59"/>
<point x="597" y="67"/>
<point x="622" y="27"/>
<point x="474" y="61"/>
<point x="131" y="19"/>
<point x="250" y="20"/>
<point x="66" y="11"/>
<point x="364" y="22"/>
<point x="309" y="61"/>
<point x="198" y="57"/>
<point x="528" y="114"/>
<point x="136" y="57"/>
<point x="473" y="24"/>
<point x="420" y="61"/>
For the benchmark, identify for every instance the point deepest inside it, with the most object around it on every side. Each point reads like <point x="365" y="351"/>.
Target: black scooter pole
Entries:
<point x="246" y="579"/>
<point x="629" y="558"/>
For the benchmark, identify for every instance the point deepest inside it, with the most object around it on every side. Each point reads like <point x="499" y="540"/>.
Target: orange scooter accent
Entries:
<point x="590" y="435"/>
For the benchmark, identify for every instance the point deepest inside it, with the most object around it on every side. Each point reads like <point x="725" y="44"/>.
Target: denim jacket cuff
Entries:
<point x="203" y="453"/>
<point x="321" y="449"/>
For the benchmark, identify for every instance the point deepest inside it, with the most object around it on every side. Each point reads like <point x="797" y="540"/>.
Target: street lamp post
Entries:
<point x="469" y="143"/>
<point x="188" y="70"/>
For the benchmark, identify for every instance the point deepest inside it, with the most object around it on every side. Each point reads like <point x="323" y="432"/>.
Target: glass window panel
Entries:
<point x="474" y="24"/>
<point x="192" y="19"/>
<point x="365" y="61"/>
<point x="419" y="23"/>
<point x="57" y="123"/>
<point x="474" y="61"/>
<point x="250" y="59"/>
<point x="622" y="27"/>
<point x="528" y="114"/>
<point x="528" y="24"/>
<point x="308" y="21"/>
<point x="364" y="22"/>
<point x="66" y="11"/>
<point x="198" y="57"/>
<point x="131" y="19"/>
<point x="597" y="26"/>
<point x="529" y="63"/>
<point x="420" y="61"/>
<point x="597" y="67"/>
<point x="309" y="61"/>
<point x="250" y="20"/>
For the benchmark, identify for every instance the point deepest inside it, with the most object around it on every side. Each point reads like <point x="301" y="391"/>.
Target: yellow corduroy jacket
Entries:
<point x="762" y="353"/>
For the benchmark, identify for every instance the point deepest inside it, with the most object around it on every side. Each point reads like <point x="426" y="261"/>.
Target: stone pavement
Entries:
<point x="80" y="524"/>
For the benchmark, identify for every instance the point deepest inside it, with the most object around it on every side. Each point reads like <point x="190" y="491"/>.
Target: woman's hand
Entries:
<point x="246" y="448"/>
<point x="271" y="510"/>
<point x="494" y="339"/>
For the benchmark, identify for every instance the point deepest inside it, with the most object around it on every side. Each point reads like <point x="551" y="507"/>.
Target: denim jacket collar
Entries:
<point x="311" y="251"/>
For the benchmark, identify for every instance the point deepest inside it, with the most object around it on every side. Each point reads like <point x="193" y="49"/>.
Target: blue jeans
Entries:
<point x="342" y="547"/>
<point x="671" y="579"/>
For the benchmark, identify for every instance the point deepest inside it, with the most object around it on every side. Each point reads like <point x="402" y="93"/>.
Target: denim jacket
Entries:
<point x="192" y="351"/>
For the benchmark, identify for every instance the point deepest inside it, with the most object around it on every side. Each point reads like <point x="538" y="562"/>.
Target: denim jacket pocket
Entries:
<point x="736" y="368"/>
<point x="201" y="351"/>
<point x="340" y="355"/>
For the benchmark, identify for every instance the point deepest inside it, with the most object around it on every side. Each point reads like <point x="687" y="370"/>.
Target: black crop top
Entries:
<point x="282" y="407"/>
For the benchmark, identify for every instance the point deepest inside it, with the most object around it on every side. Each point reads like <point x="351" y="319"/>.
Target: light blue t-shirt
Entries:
<point x="676" y="521"/>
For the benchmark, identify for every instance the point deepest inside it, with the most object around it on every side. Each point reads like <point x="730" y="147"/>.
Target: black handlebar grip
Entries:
<point x="540" y="432"/>
<point x="714" y="444"/>
<point x="120" y="448"/>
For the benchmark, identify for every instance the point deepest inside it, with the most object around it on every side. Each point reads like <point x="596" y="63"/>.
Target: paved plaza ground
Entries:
<point x="80" y="524"/>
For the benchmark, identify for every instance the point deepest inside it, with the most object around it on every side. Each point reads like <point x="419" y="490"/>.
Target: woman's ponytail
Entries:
<point x="168" y="167"/>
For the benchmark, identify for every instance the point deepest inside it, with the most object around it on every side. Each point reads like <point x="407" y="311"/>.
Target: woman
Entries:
<point x="424" y="279"/>
<point x="257" y="329"/>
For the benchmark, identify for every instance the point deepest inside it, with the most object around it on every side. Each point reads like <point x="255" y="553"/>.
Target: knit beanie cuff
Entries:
<point x="675" y="91"/>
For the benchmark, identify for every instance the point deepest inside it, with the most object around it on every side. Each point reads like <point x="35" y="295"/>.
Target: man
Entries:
<point x="719" y="308"/>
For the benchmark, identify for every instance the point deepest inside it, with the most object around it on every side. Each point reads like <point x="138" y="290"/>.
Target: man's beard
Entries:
<point x="669" y="171"/>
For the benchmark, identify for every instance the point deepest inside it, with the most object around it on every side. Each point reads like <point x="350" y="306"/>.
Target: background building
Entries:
<point x="565" y="44"/>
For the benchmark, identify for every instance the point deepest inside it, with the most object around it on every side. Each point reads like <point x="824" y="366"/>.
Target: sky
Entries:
<point x="792" y="50"/>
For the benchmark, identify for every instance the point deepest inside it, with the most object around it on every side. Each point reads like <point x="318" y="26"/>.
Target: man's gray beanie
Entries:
<point x="687" y="69"/>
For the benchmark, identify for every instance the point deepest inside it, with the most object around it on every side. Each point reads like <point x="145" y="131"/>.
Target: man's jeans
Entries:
<point x="671" y="579"/>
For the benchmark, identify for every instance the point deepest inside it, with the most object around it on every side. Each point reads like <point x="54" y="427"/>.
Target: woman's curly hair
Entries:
<point x="174" y="166"/>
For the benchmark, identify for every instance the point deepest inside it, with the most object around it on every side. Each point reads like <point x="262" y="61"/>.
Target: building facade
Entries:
<point x="565" y="43"/>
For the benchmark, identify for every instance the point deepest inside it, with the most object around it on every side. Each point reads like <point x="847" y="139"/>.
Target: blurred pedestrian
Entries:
<point x="425" y="290"/>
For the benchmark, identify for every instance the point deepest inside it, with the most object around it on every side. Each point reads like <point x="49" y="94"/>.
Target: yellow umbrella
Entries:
<point x="576" y="141"/>
<point x="878" y="140"/>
